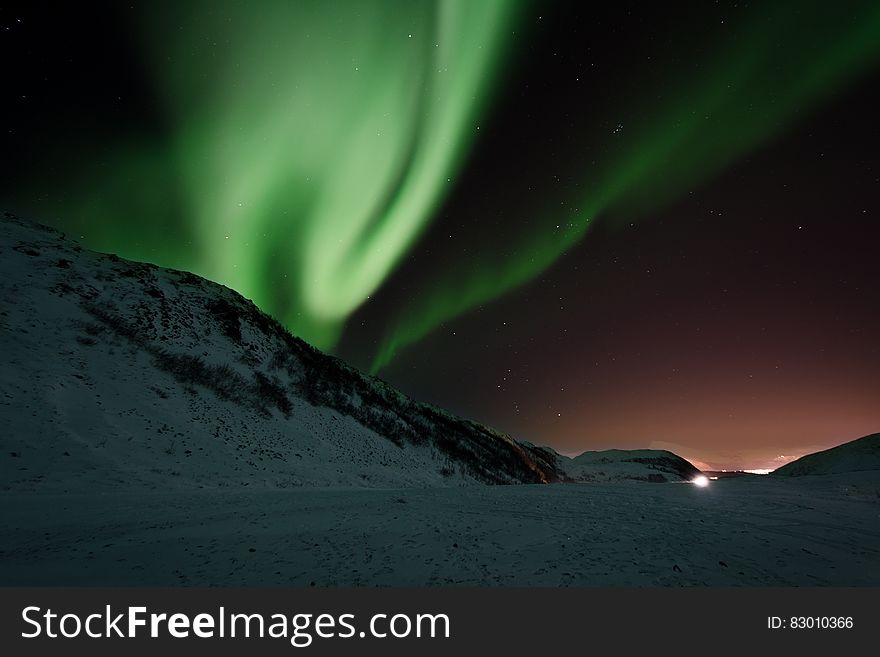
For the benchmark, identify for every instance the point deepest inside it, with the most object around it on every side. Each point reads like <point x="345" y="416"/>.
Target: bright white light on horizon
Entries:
<point x="759" y="471"/>
<point x="700" y="480"/>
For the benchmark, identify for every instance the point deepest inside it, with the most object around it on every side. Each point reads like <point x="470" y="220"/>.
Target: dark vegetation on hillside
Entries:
<point x="291" y="368"/>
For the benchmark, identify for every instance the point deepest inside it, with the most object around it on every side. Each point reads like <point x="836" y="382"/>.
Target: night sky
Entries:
<point x="591" y="227"/>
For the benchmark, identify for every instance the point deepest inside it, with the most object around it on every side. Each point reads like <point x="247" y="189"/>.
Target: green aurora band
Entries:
<point x="351" y="146"/>
<point x="310" y="144"/>
<point x="303" y="147"/>
<point x="785" y="59"/>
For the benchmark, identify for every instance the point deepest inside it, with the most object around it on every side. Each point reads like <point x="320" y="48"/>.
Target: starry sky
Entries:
<point x="591" y="227"/>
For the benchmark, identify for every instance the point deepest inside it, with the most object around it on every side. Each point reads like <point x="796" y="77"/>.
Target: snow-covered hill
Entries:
<point x="618" y="464"/>
<point x="157" y="429"/>
<point x="860" y="455"/>
<point x="121" y="373"/>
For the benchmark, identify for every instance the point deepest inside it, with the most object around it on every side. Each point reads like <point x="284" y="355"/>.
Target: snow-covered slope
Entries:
<point x="860" y="455"/>
<point x="618" y="464"/>
<point x="121" y="373"/>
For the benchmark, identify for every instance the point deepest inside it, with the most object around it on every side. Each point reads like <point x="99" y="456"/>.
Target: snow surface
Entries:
<point x="157" y="429"/>
<point x="753" y="531"/>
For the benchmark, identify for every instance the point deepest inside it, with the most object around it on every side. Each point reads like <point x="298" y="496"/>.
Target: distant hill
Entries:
<point x="856" y="456"/>
<point x="618" y="464"/>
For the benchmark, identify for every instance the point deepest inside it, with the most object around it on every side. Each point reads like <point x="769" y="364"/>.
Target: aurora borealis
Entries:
<point x="352" y="152"/>
<point x="386" y="177"/>
<point x="325" y="160"/>
<point x="714" y="117"/>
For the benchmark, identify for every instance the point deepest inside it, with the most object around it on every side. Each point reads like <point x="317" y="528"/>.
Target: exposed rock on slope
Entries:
<point x="116" y="372"/>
